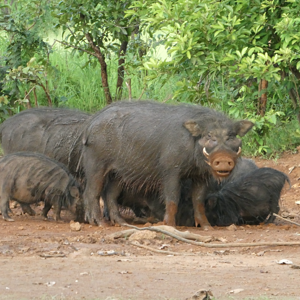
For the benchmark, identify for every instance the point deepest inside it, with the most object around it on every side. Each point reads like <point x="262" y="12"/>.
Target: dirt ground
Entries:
<point x="47" y="260"/>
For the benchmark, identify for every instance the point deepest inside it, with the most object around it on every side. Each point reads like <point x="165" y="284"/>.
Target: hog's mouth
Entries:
<point x="223" y="173"/>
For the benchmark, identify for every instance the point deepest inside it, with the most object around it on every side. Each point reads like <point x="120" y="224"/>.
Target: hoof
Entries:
<point x="104" y="223"/>
<point x="8" y="219"/>
<point x="169" y="223"/>
<point x="207" y="228"/>
<point x="117" y="220"/>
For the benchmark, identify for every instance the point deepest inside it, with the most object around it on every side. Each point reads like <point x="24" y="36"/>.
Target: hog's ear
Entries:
<point x="242" y="127"/>
<point x="192" y="127"/>
<point x="74" y="191"/>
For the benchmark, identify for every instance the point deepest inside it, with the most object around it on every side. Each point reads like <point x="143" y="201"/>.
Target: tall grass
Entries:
<point x="73" y="85"/>
<point x="77" y="84"/>
<point x="74" y="81"/>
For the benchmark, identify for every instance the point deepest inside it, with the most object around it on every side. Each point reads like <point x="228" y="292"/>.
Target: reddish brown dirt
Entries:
<point x="46" y="260"/>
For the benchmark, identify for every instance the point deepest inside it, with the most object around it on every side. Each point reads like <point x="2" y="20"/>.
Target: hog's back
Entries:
<point x="56" y="133"/>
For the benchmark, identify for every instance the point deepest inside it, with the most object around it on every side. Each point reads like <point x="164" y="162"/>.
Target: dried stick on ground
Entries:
<point x="258" y="244"/>
<point x="287" y="220"/>
<point x="185" y="234"/>
<point x="121" y="234"/>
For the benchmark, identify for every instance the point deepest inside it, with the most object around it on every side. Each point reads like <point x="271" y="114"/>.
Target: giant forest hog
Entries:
<point x="149" y="146"/>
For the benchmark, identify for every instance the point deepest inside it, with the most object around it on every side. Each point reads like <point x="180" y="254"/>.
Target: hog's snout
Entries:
<point x="223" y="166"/>
<point x="222" y="163"/>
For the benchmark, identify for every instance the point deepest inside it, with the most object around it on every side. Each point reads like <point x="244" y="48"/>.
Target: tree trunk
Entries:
<point x="296" y="72"/>
<point x="293" y="96"/>
<point x="262" y="100"/>
<point x="293" y="92"/>
<point x="47" y="94"/>
<point x="103" y="65"/>
<point x="121" y="72"/>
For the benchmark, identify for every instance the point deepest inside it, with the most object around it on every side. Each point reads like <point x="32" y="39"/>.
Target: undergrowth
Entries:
<point x="74" y="81"/>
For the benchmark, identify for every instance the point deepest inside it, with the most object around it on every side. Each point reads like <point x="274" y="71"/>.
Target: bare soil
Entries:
<point x="47" y="260"/>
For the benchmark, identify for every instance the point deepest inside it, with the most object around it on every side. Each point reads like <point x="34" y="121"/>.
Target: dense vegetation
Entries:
<point x="238" y="56"/>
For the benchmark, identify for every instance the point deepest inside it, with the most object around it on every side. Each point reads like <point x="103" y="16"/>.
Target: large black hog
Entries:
<point x="55" y="132"/>
<point x="151" y="146"/>
<point x="250" y="199"/>
<point x="151" y="208"/>
<point x="30" y="177"/>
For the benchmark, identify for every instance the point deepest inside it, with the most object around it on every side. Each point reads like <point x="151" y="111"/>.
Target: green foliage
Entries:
<point x="264" y="125"/>
<point x="34" y="75"/>
<point x="242" y="39"/>
<point x="282" y="137"/>
<point x="104" y="20"/>
<point x="99" y="28"/>
<point x="21" y="24"/>
<point x="227" y="48"/>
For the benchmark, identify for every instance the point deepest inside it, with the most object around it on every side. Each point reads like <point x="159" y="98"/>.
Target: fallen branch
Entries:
<point x="137" y="244"/>
<point x="287" y="220"/>
<point x="186" y="234"/>
<point x="258" y="244"/>
<point x="121" y="234"/>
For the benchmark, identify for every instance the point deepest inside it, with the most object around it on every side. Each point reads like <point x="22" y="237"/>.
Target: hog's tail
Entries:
<point x="288" y="180"/>
<point x="85" y="136"/>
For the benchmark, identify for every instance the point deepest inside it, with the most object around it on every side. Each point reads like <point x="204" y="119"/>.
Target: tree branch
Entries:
<point x="77" y="48"/>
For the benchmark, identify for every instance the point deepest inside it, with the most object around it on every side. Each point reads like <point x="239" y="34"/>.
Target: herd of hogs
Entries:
<point x="180" y="164"/>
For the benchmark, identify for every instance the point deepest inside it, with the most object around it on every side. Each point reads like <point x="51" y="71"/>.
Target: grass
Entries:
<point x="73" y="85"/>
<point x="77" y="84"/>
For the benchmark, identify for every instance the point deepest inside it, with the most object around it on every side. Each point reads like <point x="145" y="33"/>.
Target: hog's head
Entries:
<point x="219" y="143"/>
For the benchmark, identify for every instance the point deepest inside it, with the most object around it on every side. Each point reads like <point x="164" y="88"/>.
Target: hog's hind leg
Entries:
<point x="46" y="209"/>
<point x="95" y="176"/>
<point x="57" y="209"/>
<point x="26" y="208"/>
<point x="112" y="192"/>
<point x="4" y="207"/>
